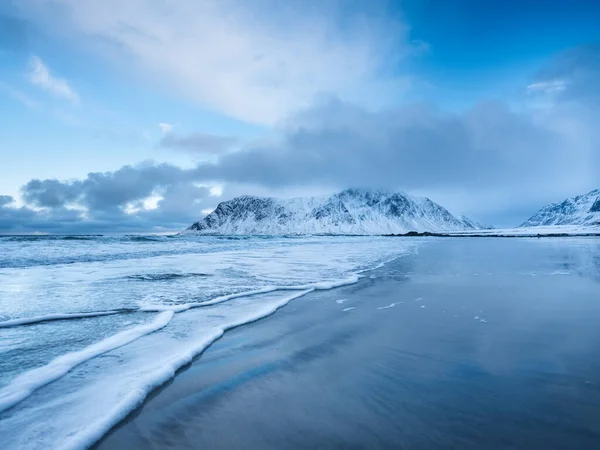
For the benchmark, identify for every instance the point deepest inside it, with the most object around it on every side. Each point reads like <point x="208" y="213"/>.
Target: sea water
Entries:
<point x="89" y="325"/>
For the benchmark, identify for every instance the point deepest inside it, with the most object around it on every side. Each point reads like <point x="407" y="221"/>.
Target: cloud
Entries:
<point x="547" y="87"/>
<point x="200" y="143"/>
<point x="40" y="76"/>
<point x="132" y="198"/>
<point x="494" y="162"/>
<point x="165" y="127"/>
<point x="6" y="200"/>
<point x="340" y="144"/>
<point x="20" y="96"/>
<point x="578" y="69"/>
<point x="256" y="61"/>
<point x="50" y="193"/>
<point x="104" y="191"/>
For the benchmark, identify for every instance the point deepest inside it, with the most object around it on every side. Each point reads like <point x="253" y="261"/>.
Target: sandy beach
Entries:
<point x="447" y="348"/>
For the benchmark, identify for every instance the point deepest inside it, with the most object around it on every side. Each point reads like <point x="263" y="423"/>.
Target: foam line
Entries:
<point x="391" y="305"/>
<point x="135" y="398"/>
<point x="324" y="285"/>
<point x="52" y="317"/>
<point x="25" y="384"/>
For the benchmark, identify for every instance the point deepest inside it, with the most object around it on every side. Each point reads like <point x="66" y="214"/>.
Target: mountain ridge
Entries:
<point x="351" y="211"/>
<point x="579" y="210"/>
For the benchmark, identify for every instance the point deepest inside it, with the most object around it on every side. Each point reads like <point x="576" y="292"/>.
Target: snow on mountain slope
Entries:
<point x="474" y="224"/>
<point x="580" y="210"/>
<point x="352" y="211"/>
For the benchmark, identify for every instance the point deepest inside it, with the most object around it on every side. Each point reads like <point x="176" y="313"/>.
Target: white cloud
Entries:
<point x="216" y="191"/>
<point x="40" y="76"/>
<point x="152" y="201"/>
<point x="547" y="87"/>
<point x="20" y="96"/>
<point x="165" y="127"/>
<point x="253" y="60"/>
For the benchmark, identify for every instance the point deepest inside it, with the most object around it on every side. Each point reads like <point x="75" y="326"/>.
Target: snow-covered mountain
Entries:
<point x="353" y="211"/>
<point x="580" y="210"/>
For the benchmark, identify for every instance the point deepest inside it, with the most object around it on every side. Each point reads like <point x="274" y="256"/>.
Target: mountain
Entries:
<point x="580" y="210"/>
<point x="353" y="211"/>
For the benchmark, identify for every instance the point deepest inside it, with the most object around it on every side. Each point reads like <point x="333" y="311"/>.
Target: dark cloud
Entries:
<point x="6" y="200"/>
<point x="202" y="143"/>
<point x="338" y="144"/>
<point x="103" y="191"/>
<point x="109" y="201"/>
<point x="50" y="193"/>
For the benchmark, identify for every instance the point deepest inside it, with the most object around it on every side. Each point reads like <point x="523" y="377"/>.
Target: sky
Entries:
<point x="141" y="116"/>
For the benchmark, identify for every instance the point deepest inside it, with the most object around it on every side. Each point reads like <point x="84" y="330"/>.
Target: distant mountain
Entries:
<point x="580" y="210"/>
<point x="353" y="211"/>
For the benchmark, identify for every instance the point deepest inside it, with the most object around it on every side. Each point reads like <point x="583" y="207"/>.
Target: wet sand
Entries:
<point x="470" y="344"/>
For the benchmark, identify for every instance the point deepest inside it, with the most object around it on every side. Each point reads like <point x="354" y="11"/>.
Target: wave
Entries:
<point x="53" y="317"/>
<point x="79" y="238"/>
<point x="25" y="384"/>
<point x="323" y="285"/>
<point x="50" y="237"/>
<point x="143" y="238"/>
<point x="165" y="276"/>
<point x="177" y="308"/>
<point x="95" y="431"/>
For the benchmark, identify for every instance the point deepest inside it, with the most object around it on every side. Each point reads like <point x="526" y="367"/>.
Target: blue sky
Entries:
<point x="486" y="107"/>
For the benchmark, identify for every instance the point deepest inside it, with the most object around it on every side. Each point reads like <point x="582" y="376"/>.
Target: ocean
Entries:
<point x="90" y="325"/>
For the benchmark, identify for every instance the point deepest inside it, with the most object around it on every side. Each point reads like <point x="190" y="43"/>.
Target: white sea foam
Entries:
<point x="391" y="305"/>
<point x="92" y="432"/>
<point x="323" y="285"/>
<point x="89" y="408"/>
<point x="52" y="317"/>
<point x="26" y="383"/>
<point x="350" y="308"/>
<point x="341" y="300"/>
